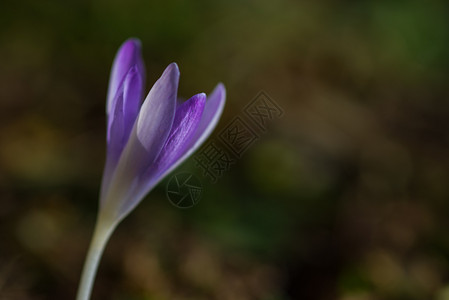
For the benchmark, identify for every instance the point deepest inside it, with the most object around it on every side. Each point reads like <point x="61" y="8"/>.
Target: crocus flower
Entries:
<point x="145" y="141"/>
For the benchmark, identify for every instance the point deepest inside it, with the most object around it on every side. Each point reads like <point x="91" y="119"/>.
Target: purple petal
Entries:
<point x="115" y="130"/>
<point x="209" y="119"/>
<point x="128" y="55"/>
<point x="158" y="110"/>
<point x="212" y="112"/>
<point x="122" y="180"/>
<point x="126" y="106"/>
<point x="132" y="94"/>
<point x="121" y="120"/>
<point x="115" y="144"/>
<point x="148" y="136"/>
<point x="187" y="118"/>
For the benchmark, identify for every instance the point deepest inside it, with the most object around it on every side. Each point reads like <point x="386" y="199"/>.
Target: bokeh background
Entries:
<point x="346" y="196"/>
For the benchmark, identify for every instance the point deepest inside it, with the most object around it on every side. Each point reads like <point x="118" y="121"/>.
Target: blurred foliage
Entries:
<point x="344" y="197"/>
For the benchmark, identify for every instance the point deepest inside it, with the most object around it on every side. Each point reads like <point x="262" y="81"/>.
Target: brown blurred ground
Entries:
<point x="344" y="197"/>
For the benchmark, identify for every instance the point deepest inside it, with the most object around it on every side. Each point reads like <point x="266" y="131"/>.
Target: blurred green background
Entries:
<point x="344" y="197"/>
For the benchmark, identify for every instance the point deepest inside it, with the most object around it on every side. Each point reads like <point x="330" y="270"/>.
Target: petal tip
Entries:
<point x="173" y="69"/>
<point x="218" y="96"/>
<point x="172" y="73"/>
<point x="220" y="85"/>
<point x="133" y="42"/>
<point x="221" y="89"/>
<point x="199" y="99"/>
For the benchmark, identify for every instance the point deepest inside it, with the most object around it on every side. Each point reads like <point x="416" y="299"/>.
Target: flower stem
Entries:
<point x="102" y="232"/>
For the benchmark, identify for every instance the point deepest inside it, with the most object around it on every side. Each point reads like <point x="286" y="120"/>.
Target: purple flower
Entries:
<point x="146" y="141"/>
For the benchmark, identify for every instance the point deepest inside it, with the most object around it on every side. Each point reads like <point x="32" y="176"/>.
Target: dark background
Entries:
<point x="346" y="196"/>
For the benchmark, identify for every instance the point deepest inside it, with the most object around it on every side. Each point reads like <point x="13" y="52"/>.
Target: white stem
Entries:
<point x="103" y="231"/>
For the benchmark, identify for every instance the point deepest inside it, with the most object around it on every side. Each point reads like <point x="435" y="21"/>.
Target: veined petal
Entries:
<point x="115" y="199"/>
<point x="209" y="119"/>
<point x="121" y="121"/>
<point x="187" y="118"/>
<point x="148" y="136"/>
<point x="115" y="141"/>
<point x="126" y="106"/>
<point x="212" y="112"/>
<point x="132" y="98"/>
<point x="158" y="110"/>
<point x="128" y="55"/>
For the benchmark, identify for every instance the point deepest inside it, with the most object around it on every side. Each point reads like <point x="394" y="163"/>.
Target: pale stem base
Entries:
<point x="103" y="231"/>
